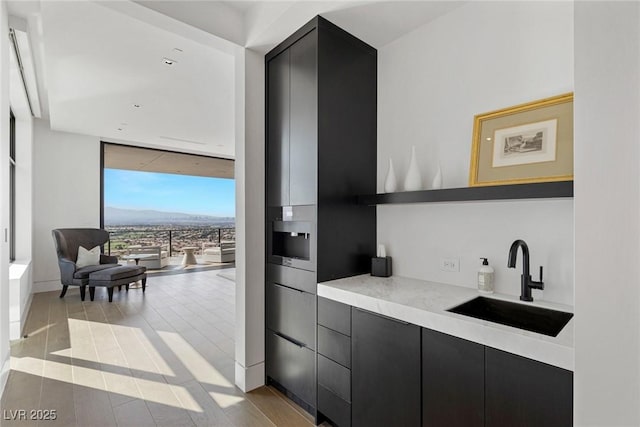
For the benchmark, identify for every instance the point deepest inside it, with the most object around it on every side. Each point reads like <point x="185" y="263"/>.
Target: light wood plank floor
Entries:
<point x="165" y="359"/>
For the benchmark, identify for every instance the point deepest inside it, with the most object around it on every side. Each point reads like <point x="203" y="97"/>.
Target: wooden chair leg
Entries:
<point x="92" y="292"/>
<point x="119" y="288"/>
<point x="64" y="291"/>
<point x="144" y="284"/>
<point x="82" y="293"/>
<point x="127" y="287"/>
<point x="110" y="292"/>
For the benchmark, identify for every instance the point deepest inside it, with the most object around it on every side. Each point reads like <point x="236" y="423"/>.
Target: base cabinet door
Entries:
<point x="452" y="381"/>
<point x="384" y="371"/>
<point x="524" y="392"/>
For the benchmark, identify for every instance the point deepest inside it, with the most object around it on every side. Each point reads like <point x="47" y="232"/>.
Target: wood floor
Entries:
<point x="164" y="358"/>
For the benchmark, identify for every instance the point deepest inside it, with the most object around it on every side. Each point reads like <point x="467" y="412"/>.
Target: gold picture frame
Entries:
<point x="531" y="142"/>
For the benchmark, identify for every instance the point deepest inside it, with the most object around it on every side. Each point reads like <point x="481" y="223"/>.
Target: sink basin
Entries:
<point x="534" y="319"/>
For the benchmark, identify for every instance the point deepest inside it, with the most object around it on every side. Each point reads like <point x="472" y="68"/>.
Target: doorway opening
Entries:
<point x="171" y="212"/>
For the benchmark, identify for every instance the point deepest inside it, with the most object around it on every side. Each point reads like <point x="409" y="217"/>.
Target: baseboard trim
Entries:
<point x="51" y="285"/>
<point x="250" y="378"/>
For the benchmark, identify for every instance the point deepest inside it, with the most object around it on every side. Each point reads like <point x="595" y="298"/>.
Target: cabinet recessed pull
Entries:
<point x="291" y="340"/>
<point x="382" y="316"/>
<point x="287" y="287"/>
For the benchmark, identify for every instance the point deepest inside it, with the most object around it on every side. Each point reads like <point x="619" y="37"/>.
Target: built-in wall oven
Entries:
<point x="291" y="236"/>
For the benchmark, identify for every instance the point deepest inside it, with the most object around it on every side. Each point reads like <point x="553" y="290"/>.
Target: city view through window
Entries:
<point x="169" y="211"/>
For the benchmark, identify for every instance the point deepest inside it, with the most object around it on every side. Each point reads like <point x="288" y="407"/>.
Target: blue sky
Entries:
<point x="169" y="192"/>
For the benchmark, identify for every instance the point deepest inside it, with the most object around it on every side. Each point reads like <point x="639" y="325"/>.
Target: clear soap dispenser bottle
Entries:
<point x="485" y="277"/>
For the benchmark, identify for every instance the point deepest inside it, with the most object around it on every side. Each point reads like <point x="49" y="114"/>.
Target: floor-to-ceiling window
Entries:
<point x="12" y="187"/>
<point x="159" y="203"/>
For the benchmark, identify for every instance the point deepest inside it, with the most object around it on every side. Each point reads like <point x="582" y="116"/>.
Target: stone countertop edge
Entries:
<point x="425" y="303"/>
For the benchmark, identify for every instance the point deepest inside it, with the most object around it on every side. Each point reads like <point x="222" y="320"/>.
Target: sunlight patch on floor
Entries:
<point x="80" y="329"/>
<point x="201" y="369"/>
<point x="163" y="393"/>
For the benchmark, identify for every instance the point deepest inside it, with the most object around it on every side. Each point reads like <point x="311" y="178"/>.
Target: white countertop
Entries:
<point x="425" y="303"/>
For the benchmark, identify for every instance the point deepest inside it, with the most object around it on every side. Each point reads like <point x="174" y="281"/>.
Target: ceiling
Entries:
<point x="97" y="60"/>
<point x="106" y="77"/>
<point x="148" y="160"/>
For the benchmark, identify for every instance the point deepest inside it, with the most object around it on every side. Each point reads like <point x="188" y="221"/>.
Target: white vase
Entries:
<point x="413" y="180"/>
<point x="437" y="179"/>
<point x="390" y="183"/>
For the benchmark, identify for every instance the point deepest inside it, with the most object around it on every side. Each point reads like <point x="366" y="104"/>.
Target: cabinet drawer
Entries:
<point x="336" y="409"/>
<point x="292" y="277"/>
<point x="334" y="315"/>
<point x="292" y="366"/>
<point x="335" y="346"/>
<point x="334" y="377"/>
<point x="290" y="312"/>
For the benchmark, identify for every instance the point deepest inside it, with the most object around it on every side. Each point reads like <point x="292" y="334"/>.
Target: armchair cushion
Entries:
<point x="84" y="272"/>
<point x="88" y="257"/>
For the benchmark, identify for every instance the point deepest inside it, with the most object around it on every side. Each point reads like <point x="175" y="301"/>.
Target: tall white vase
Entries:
<point x="390" y="182"/>
<point x="413" y="180"/>
<point x="436" y="184"/>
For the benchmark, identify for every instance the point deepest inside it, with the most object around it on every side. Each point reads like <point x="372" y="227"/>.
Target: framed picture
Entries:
<point x="531" y="142"/>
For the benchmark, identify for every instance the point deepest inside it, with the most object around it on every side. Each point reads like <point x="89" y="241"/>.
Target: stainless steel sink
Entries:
<point x="534" y="319"/>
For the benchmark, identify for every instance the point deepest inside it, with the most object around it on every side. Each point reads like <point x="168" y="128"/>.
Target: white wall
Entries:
<point x="607" y="206"/>
<point x="66" y="194"/>
<point x="431" y="82"/>
<point x="4" y="196"/>
<point x="249" y="173"/>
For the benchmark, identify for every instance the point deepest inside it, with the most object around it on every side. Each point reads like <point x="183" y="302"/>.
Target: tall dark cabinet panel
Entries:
<point x="452" y="381"/>
<point x="527" y="393"/>
<point x="320" y="155"/>
<point x="303" y="146"/>
<point x="278" y="132"/>
<point x="347" y="127"/>
<point x="385" y="371"/>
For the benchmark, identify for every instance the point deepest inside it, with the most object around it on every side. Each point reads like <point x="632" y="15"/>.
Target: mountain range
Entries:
<point x="119" y="216"/>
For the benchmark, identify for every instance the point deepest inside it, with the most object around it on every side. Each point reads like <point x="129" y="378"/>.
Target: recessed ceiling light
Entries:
<point x="169" y="61"/>
<point x="137" y="105"/>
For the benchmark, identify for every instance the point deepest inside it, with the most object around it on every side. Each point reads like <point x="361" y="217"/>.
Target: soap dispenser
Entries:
<point x="485" y="277"/>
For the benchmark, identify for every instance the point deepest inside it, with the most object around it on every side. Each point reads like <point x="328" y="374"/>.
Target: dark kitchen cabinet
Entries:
<point x="303" y="145"/>
<point x="524" y="392"/>
<point x="288" y="313"/>
<point x="334" y="362"/>
<point x="293" y="365"/>
<point x="292" y="124"/>
<point x="278" y="106"/>
<point x="452" y="381"/>
<point x="321" y="125"/>
<point x="385" y="371"/>
<point x="320" y="153"/>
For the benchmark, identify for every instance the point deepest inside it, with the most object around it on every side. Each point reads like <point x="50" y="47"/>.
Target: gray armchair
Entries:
<point x="67" y="241"/>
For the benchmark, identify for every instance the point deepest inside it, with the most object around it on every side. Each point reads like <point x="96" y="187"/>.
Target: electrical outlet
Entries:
<point x="450" y="264"/>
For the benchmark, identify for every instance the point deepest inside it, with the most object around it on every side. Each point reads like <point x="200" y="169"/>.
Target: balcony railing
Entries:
<point x="173" y="239"/>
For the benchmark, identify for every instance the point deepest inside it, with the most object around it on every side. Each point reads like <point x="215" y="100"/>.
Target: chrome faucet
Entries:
<point x="526" y="284"/>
